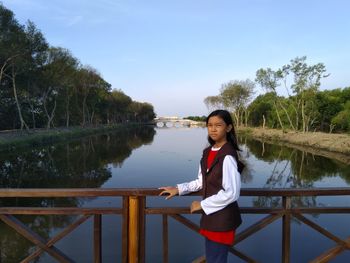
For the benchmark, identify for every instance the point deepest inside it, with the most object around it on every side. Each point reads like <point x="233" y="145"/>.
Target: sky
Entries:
<point x="173" y="54"/>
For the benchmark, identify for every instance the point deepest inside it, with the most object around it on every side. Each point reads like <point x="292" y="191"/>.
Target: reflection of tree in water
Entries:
<point x="244" y="154"/>
<point x="14" y="247"/>
<point x="76" y="164"/>
<point x="294" y="169"/>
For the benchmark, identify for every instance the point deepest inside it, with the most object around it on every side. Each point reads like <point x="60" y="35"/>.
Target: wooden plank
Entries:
<point x="320" y="229"/>
<point x="55" y="239"/>
<point x="256" y="227"/>
<point x="330" y="191"/>
<point x="95" y="192"/>
<point x="186" y="222"/>
<point x="165" y="239"/>
<point x="97" y="238"/>
<point x="125" y="229"/>
<point x="241" y="255"/>
<point x="35" y="238"/>
<point x="167" y="210"/>
<point x="58" y="211"/>
<point x="133" y="244"/>
<point x="286" y="202"/>
<point x="321" y="210"/>
<point x="186" y="210"/>
<point x="331" y="253"/>
<point x="142" y="229"/>
<point x="195" y="228"/>
<point x="78" y="192"/>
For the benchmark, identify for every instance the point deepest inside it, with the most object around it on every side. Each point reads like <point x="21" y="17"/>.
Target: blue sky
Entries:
<point x="175" y="53"/>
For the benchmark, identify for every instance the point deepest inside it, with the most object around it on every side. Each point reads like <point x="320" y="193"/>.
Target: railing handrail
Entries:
<point x="134" y="210"/>
<point x="96" y="192"/>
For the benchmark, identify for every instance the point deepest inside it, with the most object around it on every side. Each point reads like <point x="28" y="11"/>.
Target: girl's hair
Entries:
<point x="230" y="136"/>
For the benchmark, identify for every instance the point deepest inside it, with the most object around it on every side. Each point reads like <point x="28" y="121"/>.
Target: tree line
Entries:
<point x="46" y="86"/>
<point x="305" y="108"/>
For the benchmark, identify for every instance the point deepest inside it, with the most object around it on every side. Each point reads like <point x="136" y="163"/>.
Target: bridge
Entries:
<point x="175" y="121"/>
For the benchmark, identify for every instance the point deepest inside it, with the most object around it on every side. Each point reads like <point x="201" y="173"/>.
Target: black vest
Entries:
<point x="228" y="218"/>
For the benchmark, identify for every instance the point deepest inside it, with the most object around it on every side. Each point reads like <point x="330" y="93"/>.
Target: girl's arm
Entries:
<point x="231" y="184"/>
<point x="184" y="188"/>
<point x="193" y="186"/>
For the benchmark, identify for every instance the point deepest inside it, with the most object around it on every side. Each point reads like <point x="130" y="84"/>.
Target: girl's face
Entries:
<point x="217" y="129"/>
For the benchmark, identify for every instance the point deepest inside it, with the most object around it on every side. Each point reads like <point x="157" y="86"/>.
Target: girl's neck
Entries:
<point x="219" y="144"/>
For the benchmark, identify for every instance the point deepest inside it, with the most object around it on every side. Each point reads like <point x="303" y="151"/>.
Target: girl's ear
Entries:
<point x="229" y="128"/>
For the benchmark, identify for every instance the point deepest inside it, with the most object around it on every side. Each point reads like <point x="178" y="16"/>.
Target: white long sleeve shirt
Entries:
<point x="231" y="184"/>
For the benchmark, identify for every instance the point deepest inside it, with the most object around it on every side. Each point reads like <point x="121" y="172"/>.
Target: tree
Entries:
<point x="57" y="83"/>
<point x="342" y="119"/>
<point x="234" y="96"/>
<point x="270" y="80"/>
<point x="118" y="107"/>
<point x="307" y="80"/>
<point x="142" y="111"/>
<point x="47" y="86"/>
<point x="329" y="104"/>
<point x="213" y="102"/>
<point x="262" y="108"/>
<point x="12" y="48"/>
<point x="302" y="103"/>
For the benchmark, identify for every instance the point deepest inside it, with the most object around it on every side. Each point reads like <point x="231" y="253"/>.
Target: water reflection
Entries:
<point x="173" y="155"/>
<point x="79" y="163"/>
<point x="292" y="168"/>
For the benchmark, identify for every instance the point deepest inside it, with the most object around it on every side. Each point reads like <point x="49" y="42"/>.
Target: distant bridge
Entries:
<point x="175" y="122"/>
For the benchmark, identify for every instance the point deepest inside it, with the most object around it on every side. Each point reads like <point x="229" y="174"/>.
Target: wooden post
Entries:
<point x="97" y="239"/>
<point x="286" y="201"/>
<point x="134" y="225"/>
<point x="125" y="229"/>
<point x="165" y="239"/>
<point x="142" y="229"/>
<point x="133" y="237"/>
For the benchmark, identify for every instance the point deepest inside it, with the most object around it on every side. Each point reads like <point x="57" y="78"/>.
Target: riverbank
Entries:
<point x="336" y="146"/>
<point x="34" y="137"/>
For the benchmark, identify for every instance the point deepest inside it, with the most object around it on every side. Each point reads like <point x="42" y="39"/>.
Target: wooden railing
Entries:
<point x="134" y="211"/>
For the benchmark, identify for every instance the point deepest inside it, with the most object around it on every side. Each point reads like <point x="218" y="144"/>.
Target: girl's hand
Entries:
<point x="195" y="206"/>
<point x="170" y="190"/>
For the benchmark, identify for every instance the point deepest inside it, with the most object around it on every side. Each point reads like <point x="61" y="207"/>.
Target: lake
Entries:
<point x="150" y="157"/>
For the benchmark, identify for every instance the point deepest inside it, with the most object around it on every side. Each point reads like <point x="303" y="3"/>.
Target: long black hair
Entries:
<point x="230" y="136"/>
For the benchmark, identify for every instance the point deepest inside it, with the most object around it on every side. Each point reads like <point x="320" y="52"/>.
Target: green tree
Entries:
<point x="234" y="96"/>
<point x="342" y="119"/>
<point x="270" y="80"/>
<point x="213" y="102"/>
<point x="57" y="84"/>
<point x="262" y="109"/>
<point x="329" y="104"/>
<point x="119" y="104"/>
<point x="46" y="86"/>
<point x="141" y="111"/>
<point x="301" y="105"/>
<point x="307" y="80"/>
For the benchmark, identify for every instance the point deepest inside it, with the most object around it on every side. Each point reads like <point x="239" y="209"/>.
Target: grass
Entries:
<point x="17" y="139"/>
<point x="334" y="146"/>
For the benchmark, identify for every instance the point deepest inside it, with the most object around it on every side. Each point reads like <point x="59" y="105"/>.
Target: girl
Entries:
<point x="219" y="180"/>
